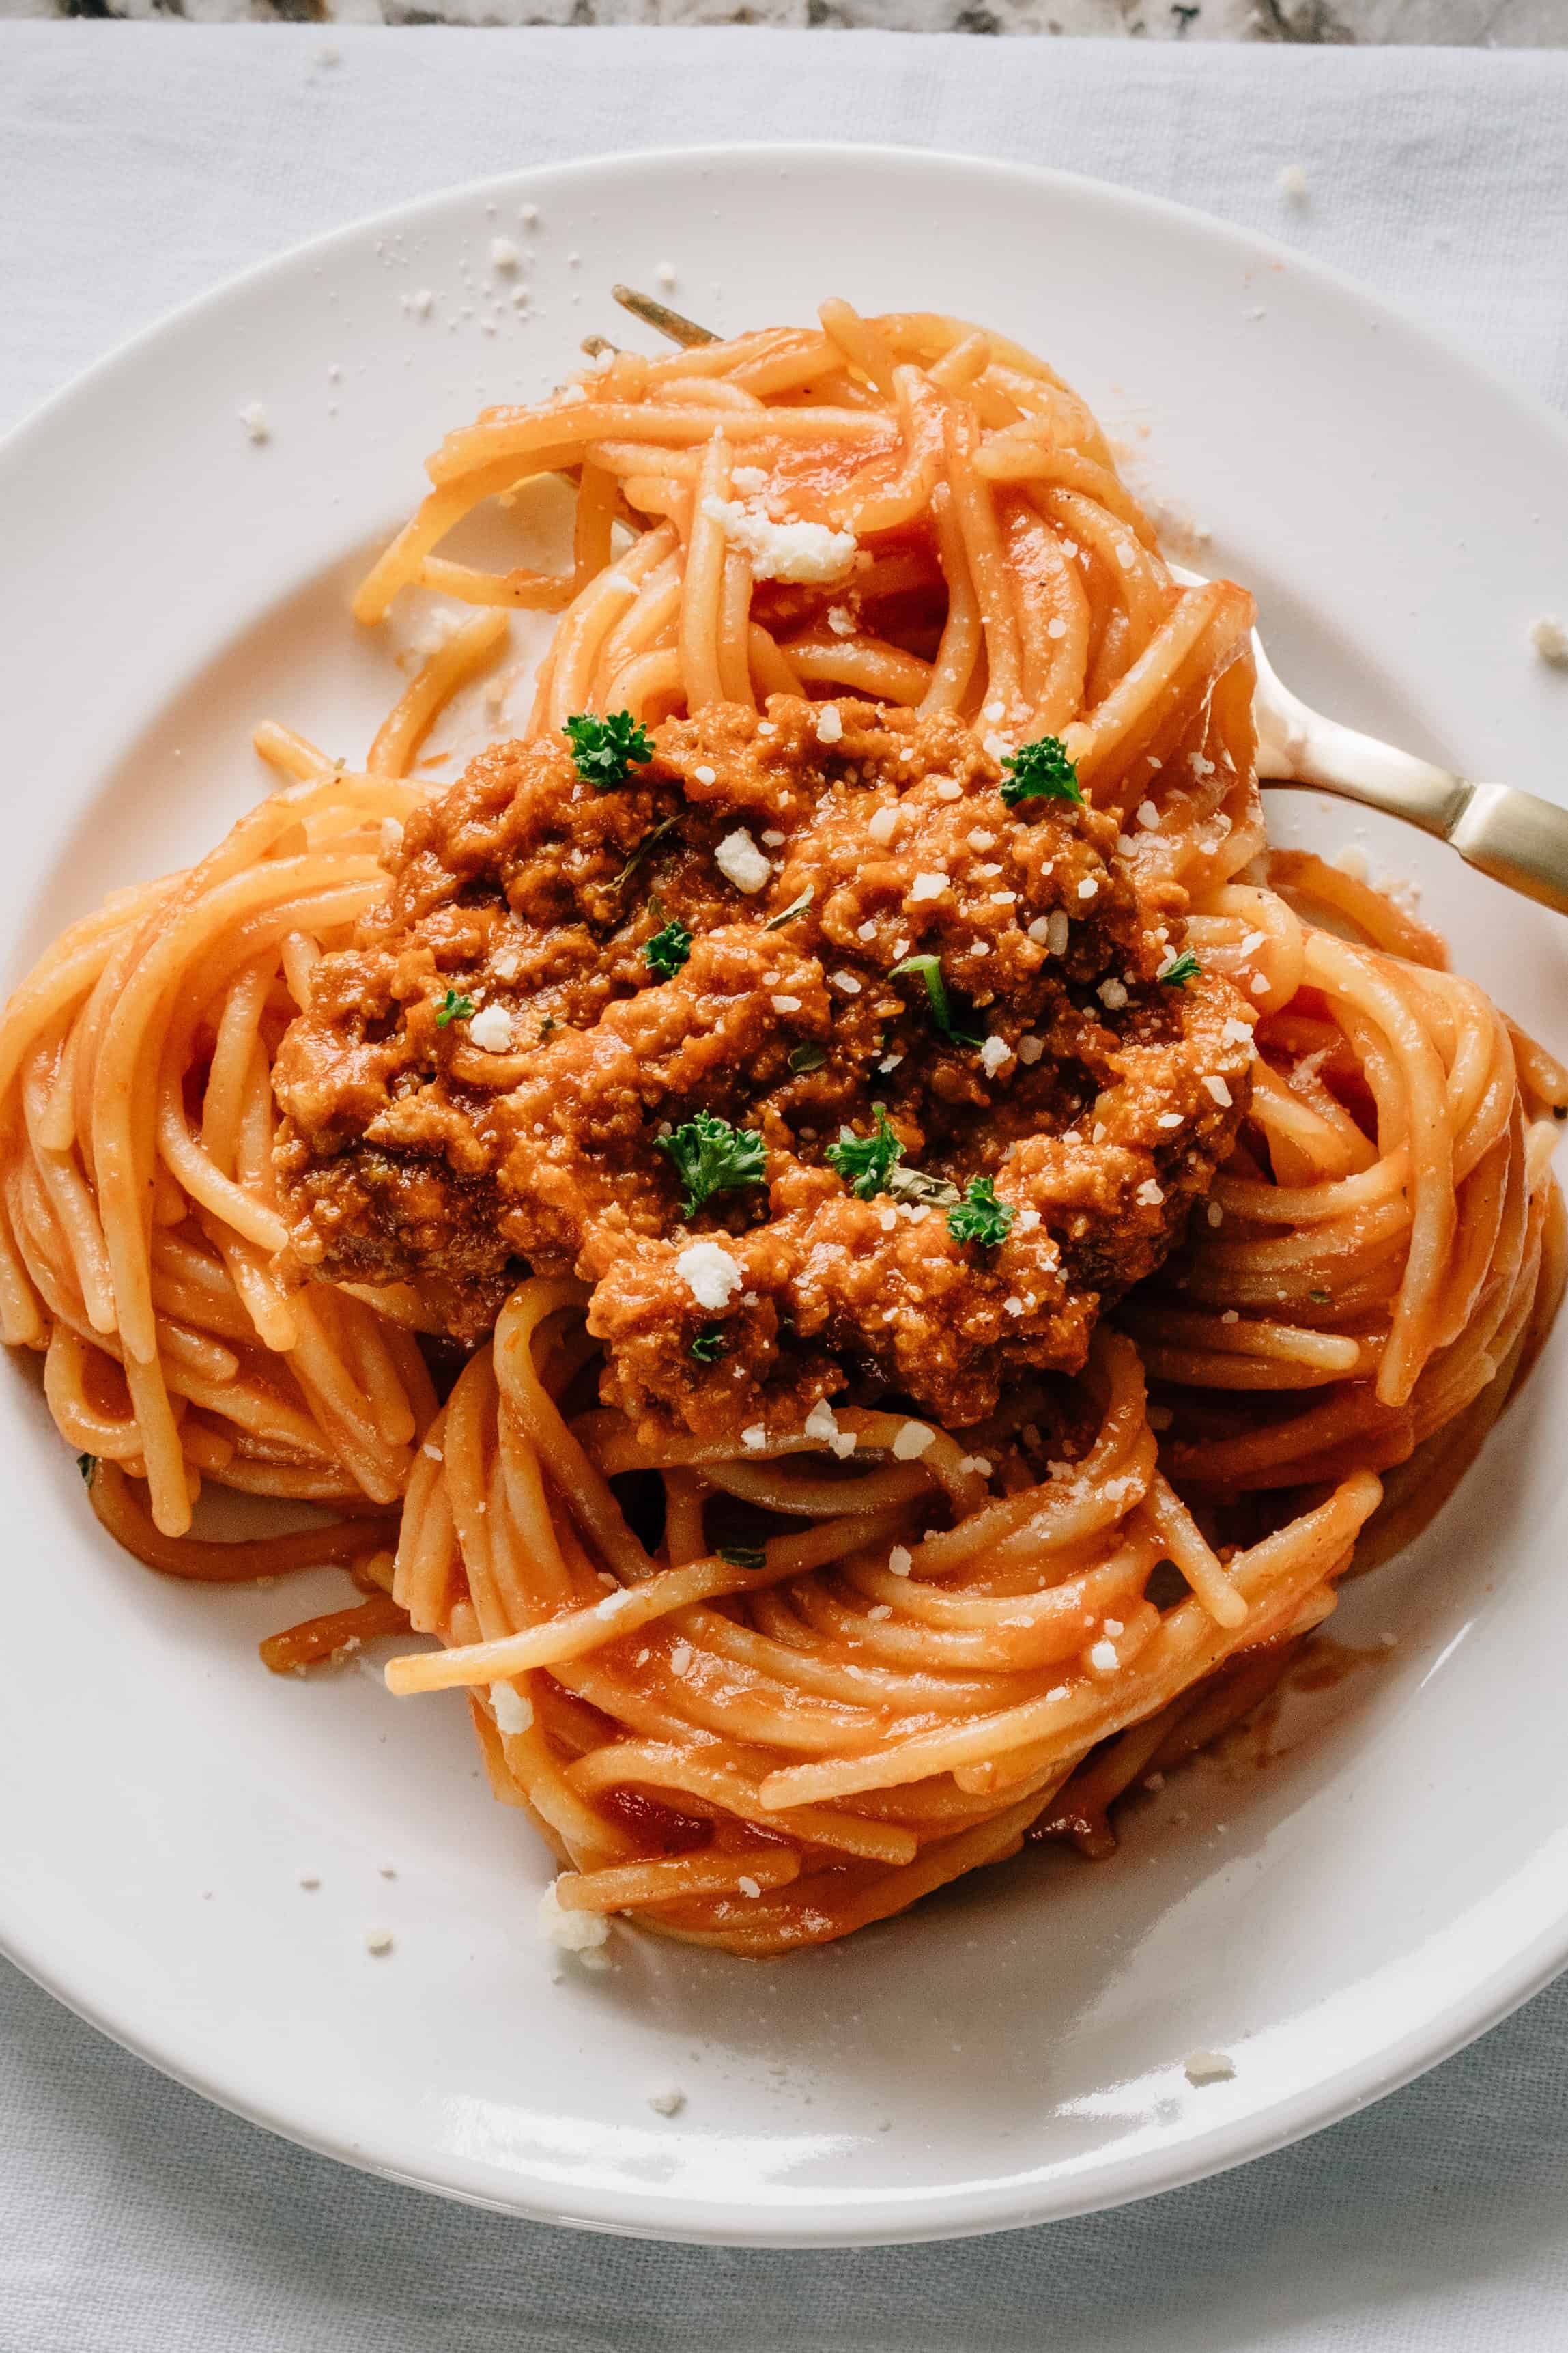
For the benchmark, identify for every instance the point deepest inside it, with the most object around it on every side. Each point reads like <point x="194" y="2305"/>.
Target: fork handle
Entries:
<point x="1518" y="840"/>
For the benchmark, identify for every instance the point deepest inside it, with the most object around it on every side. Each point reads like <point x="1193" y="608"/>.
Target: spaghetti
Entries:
<point x="757" y="1696"/>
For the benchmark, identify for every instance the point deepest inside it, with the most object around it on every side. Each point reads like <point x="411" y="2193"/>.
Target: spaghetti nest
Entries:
<point x="758" y="1692"/>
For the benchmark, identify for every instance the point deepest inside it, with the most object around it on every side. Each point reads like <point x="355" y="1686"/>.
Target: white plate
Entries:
<point x="1012" y="2051"/>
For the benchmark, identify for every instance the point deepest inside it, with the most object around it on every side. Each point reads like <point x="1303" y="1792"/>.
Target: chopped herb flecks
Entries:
<point x="980" y="1217"/>
<point x="744" y="1555"/>
<point x="711" y="1156"/>
<point x="709" y="1345"/>
<point x="87" y="1465"/>
<point x="454" y="1007"/>
<point x="604" y="748"/>
<point x="668" y="950"/>
<point x="664" y="825"/>
<point x="810" y="1056"/>
<point x="866" y="1162"/>
<point x="961" y="1030"/>
<point x="788" y="914"/>
<point x="1040" y="771"/>
<point x="1180" y="969"/>
<point x="1322" y="1297"/>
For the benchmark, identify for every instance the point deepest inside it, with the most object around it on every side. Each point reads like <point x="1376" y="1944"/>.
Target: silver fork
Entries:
<point x="1516" y="837"/>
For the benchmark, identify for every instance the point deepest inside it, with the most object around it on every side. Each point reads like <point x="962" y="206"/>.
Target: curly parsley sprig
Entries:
<point x="866" y="1163"/>
<point x="980" y="1217"/>
<point x="668" y="950"/>
<point x="711" y="1156"/>
<point x="1040" y="771"/>
<point x="454" y="1007"/>
<point x="604" y="749"/>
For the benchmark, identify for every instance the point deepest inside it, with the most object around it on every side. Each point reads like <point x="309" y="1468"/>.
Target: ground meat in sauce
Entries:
<point x="408" y="1153"/>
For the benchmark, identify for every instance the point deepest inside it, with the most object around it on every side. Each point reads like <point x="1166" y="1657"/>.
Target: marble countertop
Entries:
<point x="1511" y="24"/>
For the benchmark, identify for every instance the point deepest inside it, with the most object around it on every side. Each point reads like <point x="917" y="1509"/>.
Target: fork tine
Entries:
<point x="662" y="319"/>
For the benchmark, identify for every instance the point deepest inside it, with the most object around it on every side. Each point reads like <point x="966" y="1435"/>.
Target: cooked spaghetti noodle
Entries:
<point x="757" y="1696"/>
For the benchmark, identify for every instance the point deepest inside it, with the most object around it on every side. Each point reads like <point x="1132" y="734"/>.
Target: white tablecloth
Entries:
<point x="139" y="164"/>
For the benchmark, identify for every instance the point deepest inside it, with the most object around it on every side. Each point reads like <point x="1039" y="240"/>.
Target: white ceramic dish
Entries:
<point x="1387" y="1888"/>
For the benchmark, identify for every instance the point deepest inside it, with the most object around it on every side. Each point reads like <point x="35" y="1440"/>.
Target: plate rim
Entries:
<point x="919" y="2215"/>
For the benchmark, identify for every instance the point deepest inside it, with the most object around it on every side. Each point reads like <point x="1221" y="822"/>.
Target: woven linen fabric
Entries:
<point x="140" y="165"/>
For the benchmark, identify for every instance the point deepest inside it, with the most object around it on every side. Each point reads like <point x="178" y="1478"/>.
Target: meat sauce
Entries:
<point x="1098" y="1100"/>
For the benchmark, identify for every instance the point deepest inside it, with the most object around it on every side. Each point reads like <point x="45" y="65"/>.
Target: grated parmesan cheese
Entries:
<point x="573" y="1932"/>
<point x="882" y="822"/>
<point x="1207" y="2067"/>
<point x="511" y="1712"/>
<point x="993" y="1052"/>
<point x="710" y="1273"/>
<point x="911" y="1442"/>
<point x="741" y="862"/>
<point x="808" y="553"/>
<point x="1549" y="636"/>
<point x="490" y="1030"/>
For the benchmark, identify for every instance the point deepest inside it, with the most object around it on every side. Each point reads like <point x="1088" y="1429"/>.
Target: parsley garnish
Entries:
<point x="797" y="907"/>
<point x="87" y="1465"/>
<point x="454" y="1007"/>
<point x="709" y="1345"/>
<point x="980" y="1217"/>
<point x="961" y="1032"/>
<point x="711" y="1156"/>
<point x="1180" y="969"/>
<point x="1040" y="771"/>
<point x="744" y="1555"/>
<point x="809" y="1056"/>
<point x="866" y="1162"/>
<point x="604" y="748"/>
<point x="668" y="950"/>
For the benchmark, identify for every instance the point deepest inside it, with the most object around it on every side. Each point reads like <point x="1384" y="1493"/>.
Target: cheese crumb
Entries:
<point x="847" y="982"/>
<point x="829" y="726"/>
<point x="822" y="1423"/>
<point x="1089" y="888"/>
<point x="980" y="1465"/>
<point x="1148" y="816"/>
<point x="751" y="479"/>
<point x="667" y="2104"/>
<point x="504" y="255"/>
<point x="419" y="305"/>
<point x="1112" y="995"/>
<point x="741" y="862"/>
<point x="911" y="1442"/>
<point x="1030" y="1050"/>
<point x="706" y="776"/>
<point x="928" y="886"/>
<point x="511" y="1712"/>
<point x="1149" y="1194"/>
<point x="749" y="1886"/>
<point x="1057" y="932"/>
<point x="490" y="1030"/>
<point x="253" y="416"/>
<point x="573" y="1932"/>
<point x="901" y="1561"/>
<point x="808" y="553"/>
<point x="1218" y="1089"/>
<point x="378" y="1941"/>
<point x="993" y="1052"/>
<point x="882" y="822"/>
<point x="755" y="1437"/>
<point x="1014" y="1306"/>
<point x="1207" y="2067"/>
<point x="1292" y="184"/>
<point x="1549" y="636"/>
<point x="680" y="1659"/>
<point x="710" y="1273"/>
<point x="1103" y="1658"/>
<point x="665" y="273"/>
<point x="785" y="1003"/>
